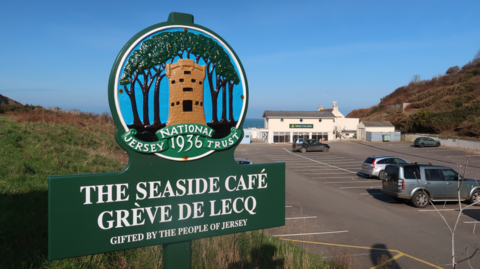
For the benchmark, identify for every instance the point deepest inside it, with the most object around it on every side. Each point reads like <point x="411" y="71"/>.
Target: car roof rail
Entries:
<point x="423" y="163"/>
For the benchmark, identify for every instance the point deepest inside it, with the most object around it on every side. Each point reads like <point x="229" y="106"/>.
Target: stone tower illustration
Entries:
<point x="185" y="79"/>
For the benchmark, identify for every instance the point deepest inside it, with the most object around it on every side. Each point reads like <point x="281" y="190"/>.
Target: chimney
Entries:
<point x="335" y="107"/>
<point x="320" y="108"/>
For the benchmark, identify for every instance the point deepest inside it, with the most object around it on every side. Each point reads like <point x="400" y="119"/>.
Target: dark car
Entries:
<point x="426" y="142"/>
<point x="243" y="161"/>
<point x="303" y="145"/>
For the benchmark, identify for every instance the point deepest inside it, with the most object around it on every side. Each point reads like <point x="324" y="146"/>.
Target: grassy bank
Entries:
<point x="56" y="145"/>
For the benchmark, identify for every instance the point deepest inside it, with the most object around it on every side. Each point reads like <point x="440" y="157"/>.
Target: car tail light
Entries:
<point x="401" y="184"/>
<point x="373" y="163"/>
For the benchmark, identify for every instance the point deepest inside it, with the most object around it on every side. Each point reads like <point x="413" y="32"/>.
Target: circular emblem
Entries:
<point x="180" y="93"/>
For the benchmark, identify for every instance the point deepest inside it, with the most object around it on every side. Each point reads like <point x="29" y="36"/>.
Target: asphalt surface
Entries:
<point x="334" y="211"/>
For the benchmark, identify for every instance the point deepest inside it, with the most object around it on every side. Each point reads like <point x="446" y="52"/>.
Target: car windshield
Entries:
<point x="369" y="160"/>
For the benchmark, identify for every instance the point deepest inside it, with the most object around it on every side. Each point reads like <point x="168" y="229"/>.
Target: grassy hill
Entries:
<point x="37" y="142"/>
<point x="446" y="104"/>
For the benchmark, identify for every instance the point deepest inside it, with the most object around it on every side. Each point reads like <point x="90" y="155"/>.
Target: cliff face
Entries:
<point x="7" y="101"/>
<point x="447" y="104"/>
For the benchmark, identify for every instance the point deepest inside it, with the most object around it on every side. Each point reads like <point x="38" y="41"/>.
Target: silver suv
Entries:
<point x="375" y="165"/>
<point x="439" y="182"/>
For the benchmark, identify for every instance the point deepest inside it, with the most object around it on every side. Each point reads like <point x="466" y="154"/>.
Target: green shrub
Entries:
<point x="13" y="107"/>
<point x="458" y="103"/>
<point x="452" y="70"/>
<point x="398" y="101"/>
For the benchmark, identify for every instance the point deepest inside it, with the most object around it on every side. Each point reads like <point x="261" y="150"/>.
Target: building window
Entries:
<point x="301" y="135"/>
<point x="187" y="106"/>
<point x="320" y="136"/>
<point x="281" y="137"/>
<point x="301" y="120"/>
<point x="281" y="120"/>
<point x="320" y="120"/>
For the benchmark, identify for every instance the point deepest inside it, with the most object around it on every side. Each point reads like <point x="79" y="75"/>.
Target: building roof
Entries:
<point x="297" y="114"/>
<point x="377" y="124"/>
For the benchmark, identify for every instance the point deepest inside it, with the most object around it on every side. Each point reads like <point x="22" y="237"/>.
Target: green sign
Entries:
<point x="178" y="95"/>
<point x="301" y="126"/>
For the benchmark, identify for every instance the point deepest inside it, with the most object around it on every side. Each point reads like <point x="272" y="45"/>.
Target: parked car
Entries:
<point x="426" y="142"/>
<point x="243" y="161"/>
<point x="375" y="165"/>
<point x="303" y="145"/>
<point x="439" y="182"/>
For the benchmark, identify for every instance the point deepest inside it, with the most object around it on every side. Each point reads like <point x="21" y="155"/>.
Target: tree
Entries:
<point x="476" y="58"/>
<point x="416" y="78"/>
<point x="147" y="64"/>
<point x="452" y="70"/>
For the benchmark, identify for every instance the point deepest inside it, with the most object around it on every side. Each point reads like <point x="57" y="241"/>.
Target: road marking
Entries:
<point x="360" y="187"/>
<point x="380" y="265"/>
<point x="321" y="169"/>
<point x="471" y="222"/>
<point x="353" y="181"/>
<point x="321" y="158"/>
<point x="349" y="161"/>
<point x="301" y="166"/>
<point x="312" y="233"/>
<point x="311" y="217"/>
<point x="333" y="177"/>
<point x="436" y="210"/>
<point x="464" y="156"/>
<point x="324" y="163"/>
<point x="336" y="173"/>
<point x="440" y="150"/>
<point x="370" y="248"/>
<point x="290" y="161"/>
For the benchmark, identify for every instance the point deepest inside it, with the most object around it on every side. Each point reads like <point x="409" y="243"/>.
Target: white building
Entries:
<point x="323" y="125"/>
<point x="374" y="127"/>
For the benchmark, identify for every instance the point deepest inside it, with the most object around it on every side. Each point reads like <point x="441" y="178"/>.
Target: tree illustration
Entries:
<point x="147" y="65"/>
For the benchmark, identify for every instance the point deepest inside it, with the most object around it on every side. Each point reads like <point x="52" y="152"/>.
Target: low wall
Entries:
<point x="378" y="136"/>
<point x="449" y="142"/>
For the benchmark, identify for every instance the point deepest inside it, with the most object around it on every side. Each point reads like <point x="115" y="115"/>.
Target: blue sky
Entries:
<point x="296" y="55"/>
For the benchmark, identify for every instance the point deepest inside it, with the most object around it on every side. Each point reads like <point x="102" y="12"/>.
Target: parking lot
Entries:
<point x="334" y="210"/>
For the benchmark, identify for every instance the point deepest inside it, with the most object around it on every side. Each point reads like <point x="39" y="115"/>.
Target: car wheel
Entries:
<point x="475" y="197"/>
<point x="420" y="199"/>
<point x="381" y="174"/>
<point x="422" y="145"/>
<point x="303" y="150"/>
<point x="437" y="145"/>
<point x="325" y="149"/>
